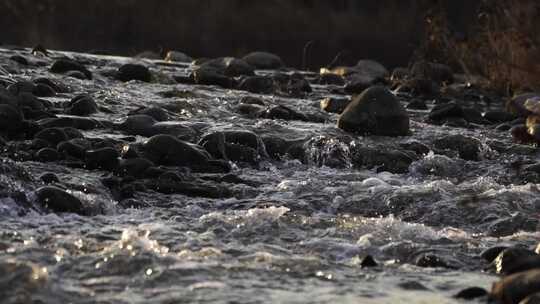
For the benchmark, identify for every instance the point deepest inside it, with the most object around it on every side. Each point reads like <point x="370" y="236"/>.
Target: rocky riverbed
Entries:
<point x="231" y="180"/>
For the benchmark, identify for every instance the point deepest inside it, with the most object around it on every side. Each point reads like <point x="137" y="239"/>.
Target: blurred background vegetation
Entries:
<point x="386" y="30"/>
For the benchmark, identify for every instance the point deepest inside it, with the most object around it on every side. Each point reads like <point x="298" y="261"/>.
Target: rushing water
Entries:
<point x="297" y="233"/>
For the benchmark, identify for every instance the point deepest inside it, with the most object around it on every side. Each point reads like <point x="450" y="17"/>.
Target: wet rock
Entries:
<point x="376" y="111"/>
<point x="29" y="101"/>
<point x="11" y="120"/>
<point x="19" y="59"/>
<point x="52" y="135"/>
<point x="428" y="260"/>
<point x="257" y="84"/>
<point x="417" y="147"/>
<point x="474" y="116"/>
<point x="135" y="167"/>
<point x="49" y="178"/>
<point x="21" y="87"/>
<point x="229" y="66"/>
<point x="104" y="158"/>
<point x="73" y="148"/>
<point x="139" y="124"/>
<point x="421" y="87"/>
<point x="238" y="146"/>
<point x="62" y="66"/>
<point x="252" y="100"/>
<point x="368" y="261"/>
<point x="383" y="159"/>
<point x="56" y="85"/>
<point x="175" y="56"/>
<point x="445" y="111"/>
<point x="413" y="285"/>
<point x="468" y="148"/>
<point x="517" y="104"/>
<point x="358" y="83"/>
<point x="169" y="151"/>
<point x="282" y="112"/>
<point x="496" y="117"/>
<point x="509" y="225"/>
<point x="520" y="134"/>
<point x="471" y="293"/>
<point x="47" y="155"/>
<point x="417" y="104"/>
<point x="209" y="76"/>
<point x="513" y="289"/>
<point x="157" y="113"/>
<point x="491" y="253"/>
<point x="58" y="200"/>
<point x="43" y="90"/>
<point x="132" y="71"/>
<point x="196" y="189"/>
<point x="334" y="105"/>
<point x="263" y="60"/>
<point x="81" y="123"/>
<point x="174" y="128"/>
<point x="81" y="105"/>
<point x="76" y="74"/>
<point x="513" y="260"/>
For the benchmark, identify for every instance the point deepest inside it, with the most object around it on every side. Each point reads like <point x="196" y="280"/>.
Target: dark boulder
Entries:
<point x="62" y="66"/>
<point x="139" y="124"/>
<point x="58" y="200"/>
<point x="52" y="135"/>
<point x="514" y="288"/>
<point x="238" y="146"/>
<point x="135" y="167"/>
<point x="496" y="117"/>
<point x="132" y="71"/>
<point x="209" y="76"/>
<point x="376" y="111"/>
<point x="158" y="113"/>
<point x="257" y="84"/>
<point x="382" y="158"/>
<point x="81" y="105"/>
<point x="47" y="155"/>
<point x="334" y="105"/>
<point x="417" y="104"/>
<point x="11" y="119"/>
<point x="471" y="293"/>
<point x="104" y="158"/>
<point x="169" y="151"/>
<point x="263" y="60"/>
<point x="513" y="260"/>
<point x="229" y="66"/>
<point x="469" y="148"/>
<point x="81" y="123"/>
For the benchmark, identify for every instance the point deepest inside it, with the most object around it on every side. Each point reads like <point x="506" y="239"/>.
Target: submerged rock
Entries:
<point x="377" y="112"/>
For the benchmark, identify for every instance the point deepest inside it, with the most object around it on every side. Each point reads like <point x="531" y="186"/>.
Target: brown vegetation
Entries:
<point x="503" y="45"/>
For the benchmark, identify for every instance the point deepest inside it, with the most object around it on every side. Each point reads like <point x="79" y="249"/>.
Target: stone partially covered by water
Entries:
<point x="146" y="181"/>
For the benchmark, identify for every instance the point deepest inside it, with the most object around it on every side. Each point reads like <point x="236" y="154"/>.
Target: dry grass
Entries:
<point x="503" y="45"/>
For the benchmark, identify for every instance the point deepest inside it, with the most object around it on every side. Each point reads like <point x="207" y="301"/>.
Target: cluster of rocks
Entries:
<point x="520" y="271"/>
